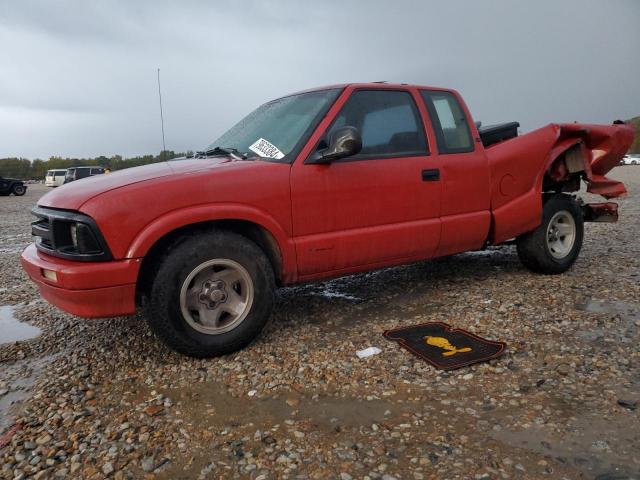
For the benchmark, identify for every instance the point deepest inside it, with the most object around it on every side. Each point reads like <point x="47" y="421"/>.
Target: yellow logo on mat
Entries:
<point x="443" y="343"/>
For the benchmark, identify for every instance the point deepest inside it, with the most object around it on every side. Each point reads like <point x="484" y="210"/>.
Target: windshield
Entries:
<point x="274" y="129"/>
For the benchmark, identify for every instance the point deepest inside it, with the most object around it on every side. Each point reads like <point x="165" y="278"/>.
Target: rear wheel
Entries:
<point x="19" y="190"/>
<point x="554" y="246"/>
<point x="211" y="295"/>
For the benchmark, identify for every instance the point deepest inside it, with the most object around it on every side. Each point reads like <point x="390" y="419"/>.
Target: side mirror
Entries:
<point x="344" y="142"/>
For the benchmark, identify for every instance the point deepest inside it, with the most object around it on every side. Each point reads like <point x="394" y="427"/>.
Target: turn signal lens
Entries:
<point x="50" y="275"/>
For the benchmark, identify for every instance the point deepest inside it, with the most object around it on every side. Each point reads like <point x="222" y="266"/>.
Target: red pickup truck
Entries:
<point x="318" y="184"/>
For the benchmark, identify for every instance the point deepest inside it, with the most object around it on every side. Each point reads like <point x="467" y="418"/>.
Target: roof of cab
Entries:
<point x="381" y="84"/>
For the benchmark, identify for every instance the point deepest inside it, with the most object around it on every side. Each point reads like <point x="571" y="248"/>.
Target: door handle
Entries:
<point x="431" y="175"/>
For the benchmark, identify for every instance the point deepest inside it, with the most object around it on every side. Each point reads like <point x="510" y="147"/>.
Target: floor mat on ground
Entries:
<point x="443" y="347"/>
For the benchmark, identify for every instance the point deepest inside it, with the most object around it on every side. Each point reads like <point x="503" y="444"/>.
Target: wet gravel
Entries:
<point x="104" y="399"/>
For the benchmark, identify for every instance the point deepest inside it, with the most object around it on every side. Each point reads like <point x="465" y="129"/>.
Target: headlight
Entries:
<point x="74" y="235"/>
<point x="83" y="240"/>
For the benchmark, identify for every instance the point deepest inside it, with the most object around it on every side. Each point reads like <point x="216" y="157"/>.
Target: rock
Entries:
<point x="148" y="464"/>
<point x="107" y="468"/>
<point x="43" y="439"/>
<point x="153" y="410"/>
<point x="630" y="404"/>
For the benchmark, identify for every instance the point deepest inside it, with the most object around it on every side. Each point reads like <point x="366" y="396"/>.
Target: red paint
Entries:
<point x="326" y="220"/>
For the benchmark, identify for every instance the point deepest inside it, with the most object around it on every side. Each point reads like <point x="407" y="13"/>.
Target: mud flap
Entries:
<point x="600" y="212"/>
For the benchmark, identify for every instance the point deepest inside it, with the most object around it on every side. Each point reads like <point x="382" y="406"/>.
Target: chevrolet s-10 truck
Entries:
<point x="318" y="184"/>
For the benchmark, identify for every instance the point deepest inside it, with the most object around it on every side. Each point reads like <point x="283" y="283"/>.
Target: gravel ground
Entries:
<point x="103" y="398"/>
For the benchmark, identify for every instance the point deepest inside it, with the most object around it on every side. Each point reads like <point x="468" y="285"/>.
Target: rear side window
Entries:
<point x="449" y="122"/>
<point x="388" y="121"/>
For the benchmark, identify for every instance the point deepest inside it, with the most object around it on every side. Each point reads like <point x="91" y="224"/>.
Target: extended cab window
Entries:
<point x="449" y="122"/>
<point x="388" y="121"/>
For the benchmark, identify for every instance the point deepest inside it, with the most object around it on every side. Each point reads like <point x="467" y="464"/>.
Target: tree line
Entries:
<point x="25" y="169"/>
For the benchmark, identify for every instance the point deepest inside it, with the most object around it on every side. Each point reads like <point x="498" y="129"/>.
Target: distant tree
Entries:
<point x="26" y="169"/>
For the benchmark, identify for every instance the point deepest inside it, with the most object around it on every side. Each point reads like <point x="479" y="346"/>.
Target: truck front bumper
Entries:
<point x="85" y="289"/>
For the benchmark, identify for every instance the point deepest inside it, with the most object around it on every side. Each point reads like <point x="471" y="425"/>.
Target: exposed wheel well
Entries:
<point x="162" y="246"/>
<point x="566" y="171"/>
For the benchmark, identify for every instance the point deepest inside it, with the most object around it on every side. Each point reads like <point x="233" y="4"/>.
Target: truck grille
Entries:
<point x="41" y="229"/>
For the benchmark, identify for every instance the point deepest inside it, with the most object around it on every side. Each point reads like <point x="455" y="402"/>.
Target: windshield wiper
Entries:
<point x="224" y="151"/>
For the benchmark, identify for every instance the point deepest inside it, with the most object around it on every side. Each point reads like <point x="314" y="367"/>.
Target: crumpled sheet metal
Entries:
<point x="606" y="145"/>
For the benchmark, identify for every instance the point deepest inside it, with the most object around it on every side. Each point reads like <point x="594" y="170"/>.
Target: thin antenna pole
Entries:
<point x="164" y="148"/>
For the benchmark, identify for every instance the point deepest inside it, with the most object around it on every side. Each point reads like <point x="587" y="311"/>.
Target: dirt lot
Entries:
<point x="103" y="398"/>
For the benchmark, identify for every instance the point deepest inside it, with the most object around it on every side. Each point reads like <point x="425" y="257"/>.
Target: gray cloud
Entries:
<point x="78" y="78"/>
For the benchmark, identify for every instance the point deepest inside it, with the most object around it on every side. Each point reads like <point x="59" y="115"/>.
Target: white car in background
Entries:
<point x="631" y="159"/>
<point x="55" y="178"/>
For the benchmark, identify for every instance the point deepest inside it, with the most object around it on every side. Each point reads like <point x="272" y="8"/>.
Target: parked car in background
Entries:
<point x="76" y="173"/>
<point x="55" y="178"/>
<point x="12" y="185"/>
<point x="631" y="159"/>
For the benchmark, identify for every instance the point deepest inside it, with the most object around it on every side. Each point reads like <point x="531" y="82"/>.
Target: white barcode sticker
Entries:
<point x="266" y="149"/>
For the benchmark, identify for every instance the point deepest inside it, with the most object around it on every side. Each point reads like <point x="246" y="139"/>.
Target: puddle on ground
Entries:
<point x="600" y="447"/>
<point x="624" y="331"/>
<point x="615" y="307"/>
<point x="211" y="404"/>
<point x="17" y="379"/>
<point x="13" y="330"/>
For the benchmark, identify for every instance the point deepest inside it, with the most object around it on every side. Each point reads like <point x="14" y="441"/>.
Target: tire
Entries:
<point x="19" y="190"/>
<point x="554" y="246"/>
<point x="221" y="274"/>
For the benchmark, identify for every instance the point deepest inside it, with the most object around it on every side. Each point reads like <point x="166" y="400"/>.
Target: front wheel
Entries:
<point x="554" y="246"/>
<point x="212" y="294"/>
<point x="19" y="190"/>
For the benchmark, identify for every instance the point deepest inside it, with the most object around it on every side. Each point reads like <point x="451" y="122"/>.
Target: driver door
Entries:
<point x="379" y="207"/>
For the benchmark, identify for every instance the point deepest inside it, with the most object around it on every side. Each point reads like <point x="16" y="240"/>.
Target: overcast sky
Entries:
<point x="78" y="78"/>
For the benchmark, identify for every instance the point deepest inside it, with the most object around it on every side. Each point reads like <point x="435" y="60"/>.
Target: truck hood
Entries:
<point x="72" y="196"/>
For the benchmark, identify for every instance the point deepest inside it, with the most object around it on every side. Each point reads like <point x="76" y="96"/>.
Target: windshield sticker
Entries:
<point x="265" y="149"/>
